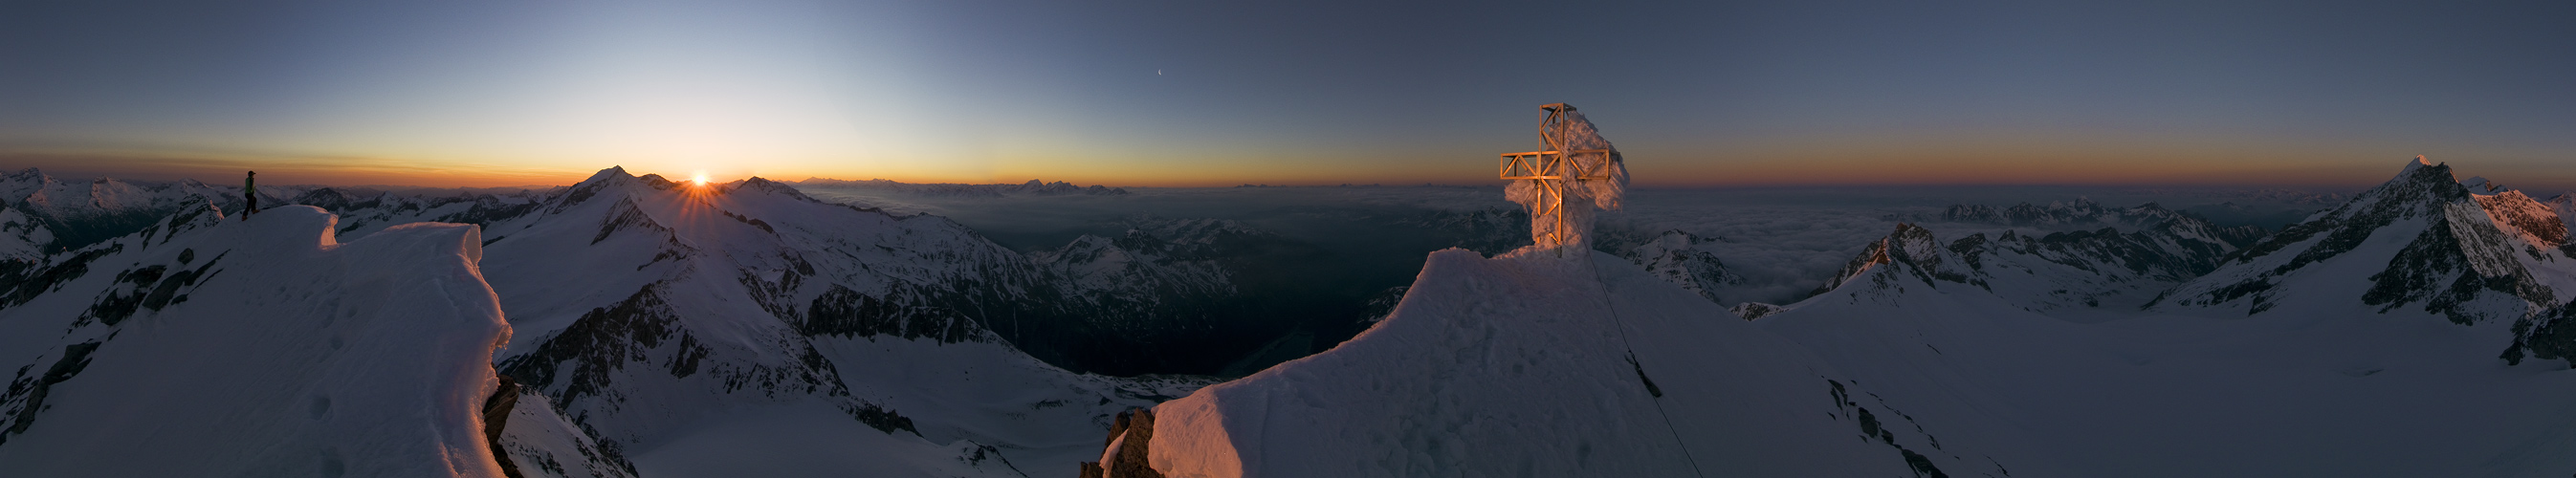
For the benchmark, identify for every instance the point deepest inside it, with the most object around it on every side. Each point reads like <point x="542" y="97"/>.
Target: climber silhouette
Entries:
<point x="250" y="195"/>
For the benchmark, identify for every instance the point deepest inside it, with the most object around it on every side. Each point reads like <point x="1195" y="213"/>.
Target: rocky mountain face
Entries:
<point x="2564" y="204"/>
<point x="2536" y="224"/>
<point x="1911" y="250"/>
<point x="2422" y="242"/>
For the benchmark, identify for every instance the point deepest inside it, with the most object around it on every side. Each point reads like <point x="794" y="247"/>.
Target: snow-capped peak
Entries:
<point x="612" y="172"/>
<point x="2419" y="162"/>
<point x="1910" y="247"/>
<point x="756" y="183"/>
<point x="2420" y="243"/>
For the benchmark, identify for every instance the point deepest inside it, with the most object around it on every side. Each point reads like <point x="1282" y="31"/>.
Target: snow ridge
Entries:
<point x="280" y="349"/>
<point x="1515" y="354"/>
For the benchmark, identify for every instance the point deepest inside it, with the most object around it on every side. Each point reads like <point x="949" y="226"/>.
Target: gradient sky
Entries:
<point x="486" y="92"/>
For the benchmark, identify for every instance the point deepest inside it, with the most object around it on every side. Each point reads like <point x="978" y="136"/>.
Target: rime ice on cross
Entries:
<point x="1574" y="172"/>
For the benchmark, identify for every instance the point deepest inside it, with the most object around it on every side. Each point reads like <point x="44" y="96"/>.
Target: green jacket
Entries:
<point x="247" y="188"/>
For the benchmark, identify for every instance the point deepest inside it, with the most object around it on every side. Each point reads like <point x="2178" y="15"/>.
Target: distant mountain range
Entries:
<point x="1031" y="188"/>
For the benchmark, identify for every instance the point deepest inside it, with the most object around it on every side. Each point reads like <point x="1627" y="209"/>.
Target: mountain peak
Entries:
<point x="2463" y="263"/>
<point x="2419" y="162"/>
<point x="1911" y="247"/>
<point x="757" y="183"/>
<point x="2418" y="187"/>
<point x="605" y="175"/>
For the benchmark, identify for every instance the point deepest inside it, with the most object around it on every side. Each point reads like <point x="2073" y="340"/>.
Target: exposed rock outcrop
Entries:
<point x="1128" y="442"/>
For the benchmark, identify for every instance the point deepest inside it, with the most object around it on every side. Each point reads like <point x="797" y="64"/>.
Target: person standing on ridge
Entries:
<point x="250" y="195"/>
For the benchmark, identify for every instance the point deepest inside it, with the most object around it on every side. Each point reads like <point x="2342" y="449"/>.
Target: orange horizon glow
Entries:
<point x="1651" y="169"/>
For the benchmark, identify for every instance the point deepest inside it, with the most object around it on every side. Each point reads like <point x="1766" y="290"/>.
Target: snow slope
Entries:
<point x="1531" y="365"/>
<point x="2329" y="392"/>
<point x="264" y="348"/>
<point x="2316" y="356"/>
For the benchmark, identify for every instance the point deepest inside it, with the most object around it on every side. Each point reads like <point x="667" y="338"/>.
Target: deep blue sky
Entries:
<point x="1160" y="93"/>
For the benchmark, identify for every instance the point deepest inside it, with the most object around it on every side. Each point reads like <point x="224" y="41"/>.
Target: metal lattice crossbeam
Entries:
<point x="1553" y="165"/>
<point x="1553" y="170"/>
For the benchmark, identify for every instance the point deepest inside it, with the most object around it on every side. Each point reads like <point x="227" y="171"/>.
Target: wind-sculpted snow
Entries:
<point x="1531" y="365"/>
<point x="260" y="348"/>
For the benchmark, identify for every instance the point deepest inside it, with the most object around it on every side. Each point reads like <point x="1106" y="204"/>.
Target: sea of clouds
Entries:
<point x="1784" y="241"/>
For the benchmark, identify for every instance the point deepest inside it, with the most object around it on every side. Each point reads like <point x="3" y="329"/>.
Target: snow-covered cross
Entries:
<point x="1573" y="164"/>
